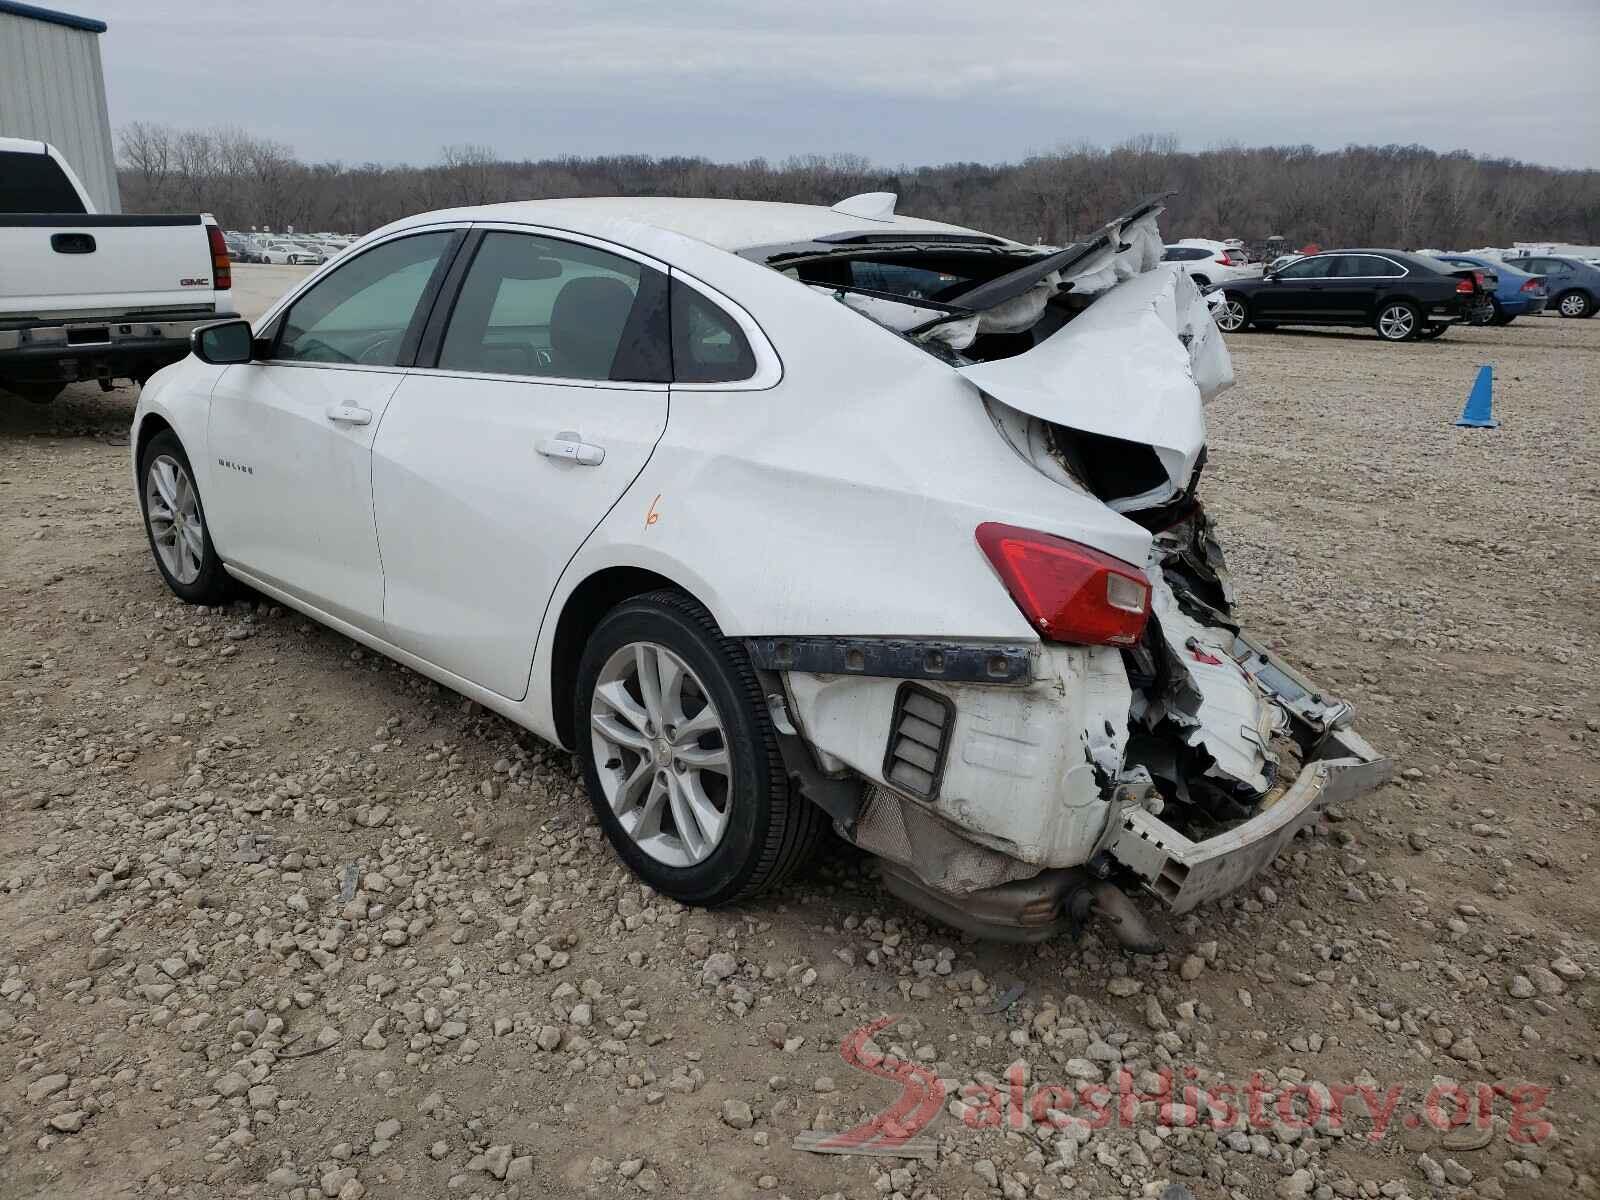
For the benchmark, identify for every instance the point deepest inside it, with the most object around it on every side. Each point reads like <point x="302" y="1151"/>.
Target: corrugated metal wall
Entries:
<point x="52" y="89"/>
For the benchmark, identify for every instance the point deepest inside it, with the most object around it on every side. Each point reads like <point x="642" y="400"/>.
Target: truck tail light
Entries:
<point x="221" y="265"/>
<point x="1069" y="592"/>
<point x="1464" y="287"/>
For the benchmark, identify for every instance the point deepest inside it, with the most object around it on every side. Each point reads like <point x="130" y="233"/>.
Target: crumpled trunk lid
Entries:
<point x="1138" y="365"/>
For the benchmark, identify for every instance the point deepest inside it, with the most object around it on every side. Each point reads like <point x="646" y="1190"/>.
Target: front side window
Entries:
<point x="1308" y="268"/>
<point x="539" y="306"/>
<point x="707" y="344"/>
<point x="362" y="311"/>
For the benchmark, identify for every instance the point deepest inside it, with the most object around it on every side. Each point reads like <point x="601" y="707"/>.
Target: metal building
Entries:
<point x="52" y="89"/>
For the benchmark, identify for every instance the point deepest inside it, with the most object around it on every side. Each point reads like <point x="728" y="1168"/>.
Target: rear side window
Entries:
<point x="361" y="313"/>
<point x="35" y="183"/>
<point x="707" y="344"/>
<point x="539" y="306"/>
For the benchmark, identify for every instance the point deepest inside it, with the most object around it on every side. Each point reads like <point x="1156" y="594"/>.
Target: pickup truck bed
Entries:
<point x="87" y="295"/>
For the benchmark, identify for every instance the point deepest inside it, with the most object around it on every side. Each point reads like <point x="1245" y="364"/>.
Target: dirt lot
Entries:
<point x="278" y="918"/>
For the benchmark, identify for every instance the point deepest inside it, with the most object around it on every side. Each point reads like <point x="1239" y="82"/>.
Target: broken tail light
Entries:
<point x="221" y="264"/>
<point x="1069" y="592"/>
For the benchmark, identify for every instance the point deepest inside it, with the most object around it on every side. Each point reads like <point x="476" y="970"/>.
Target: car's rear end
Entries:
<point x="1140" y="737"/>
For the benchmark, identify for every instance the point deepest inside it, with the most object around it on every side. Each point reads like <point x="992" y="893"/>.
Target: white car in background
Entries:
<point x="771" y="548"/>
<point x="1208" y="262"/>
<point x="292" y="253"/>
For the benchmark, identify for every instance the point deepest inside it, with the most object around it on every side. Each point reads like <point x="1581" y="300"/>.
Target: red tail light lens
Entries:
<point x="1533" y="285"/>
<point x="221" y="265"/>
<point x="1464" y="287"/>
<point x="1225" y="261"/>
<point x="1068" y="592"/>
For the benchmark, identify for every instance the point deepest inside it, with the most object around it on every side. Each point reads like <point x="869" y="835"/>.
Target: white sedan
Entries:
<point x="292" y="253"/>
<point x="779" y="517"/>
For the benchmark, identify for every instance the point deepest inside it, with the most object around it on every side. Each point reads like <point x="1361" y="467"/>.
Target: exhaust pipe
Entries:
<point x="1128" y="925"/>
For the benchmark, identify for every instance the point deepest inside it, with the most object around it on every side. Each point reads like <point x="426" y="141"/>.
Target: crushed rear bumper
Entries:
<point x="1338" y="765"/>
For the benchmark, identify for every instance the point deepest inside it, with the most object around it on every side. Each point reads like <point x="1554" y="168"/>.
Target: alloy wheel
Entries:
<point x="1572" y="305"/>
<point x="1230" y="318"/>
<point x="1396" y="322"/>
<point x="172" y="507"/>
<point x="661" y="750"/>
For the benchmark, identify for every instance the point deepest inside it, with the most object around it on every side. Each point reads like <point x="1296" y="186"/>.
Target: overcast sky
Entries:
<point x="900" y="81"/>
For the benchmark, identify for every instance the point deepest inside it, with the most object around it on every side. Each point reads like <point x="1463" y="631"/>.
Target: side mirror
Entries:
<point x="222" y="342"/>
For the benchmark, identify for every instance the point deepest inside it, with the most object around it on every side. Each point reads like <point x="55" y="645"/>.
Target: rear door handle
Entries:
<point x="569" y="446"/>
<point x="349" y="414"/>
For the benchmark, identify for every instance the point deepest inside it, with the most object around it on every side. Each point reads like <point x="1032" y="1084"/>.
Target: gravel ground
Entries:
<point x="279" y="918"/>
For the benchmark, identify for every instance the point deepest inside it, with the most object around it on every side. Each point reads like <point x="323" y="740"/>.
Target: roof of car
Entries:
<point x="728" y="224"/>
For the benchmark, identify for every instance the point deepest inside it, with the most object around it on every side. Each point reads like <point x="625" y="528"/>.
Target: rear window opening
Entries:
<point x="35" y="183"/>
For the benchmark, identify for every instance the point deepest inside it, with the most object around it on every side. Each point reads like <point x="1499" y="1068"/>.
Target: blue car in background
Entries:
<point x="1574" y="285"/>
<point x="1518" y="294"/>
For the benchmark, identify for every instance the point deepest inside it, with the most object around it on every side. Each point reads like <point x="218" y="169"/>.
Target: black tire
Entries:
<point x="1390" y="328"/>
<point x="771" y="829"/>
<point x="1574" y="303"/>
<point x="1264" y="326"/>
<point x="1500" y="317"/>
<point x="1429" y="332"/>
<point x="1201" y="281"/>
<point x="212" y="585"/>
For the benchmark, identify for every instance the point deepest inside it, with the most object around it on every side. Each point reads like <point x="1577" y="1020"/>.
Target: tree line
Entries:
<point x="1401" y="196"/>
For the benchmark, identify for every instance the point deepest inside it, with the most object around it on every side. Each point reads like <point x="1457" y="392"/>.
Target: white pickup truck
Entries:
<point x="86" y="295"/>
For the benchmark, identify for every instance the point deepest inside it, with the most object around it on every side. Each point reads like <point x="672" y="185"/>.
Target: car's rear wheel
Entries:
<point x="1233" y="314"/>
<point x="175" y="522"/>
<point x="681" y="758"/>
<point x="1433" y="330"/>
<point x="1397" y="322"/>
<point x="1575" y="304"/>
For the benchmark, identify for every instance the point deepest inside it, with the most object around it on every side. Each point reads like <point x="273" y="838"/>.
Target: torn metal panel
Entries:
<point x="1119" y="370"/>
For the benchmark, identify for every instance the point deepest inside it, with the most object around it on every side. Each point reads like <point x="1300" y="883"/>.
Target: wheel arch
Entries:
<point x="151" y="424"/>
<point x="585" y="606"/>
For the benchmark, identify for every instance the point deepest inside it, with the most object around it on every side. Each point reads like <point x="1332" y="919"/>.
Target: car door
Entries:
<point x="1293" y="294"/>
<point x="1350" y="292"/>
<point x="292" y="434"/>
<point x="534" y="405"/>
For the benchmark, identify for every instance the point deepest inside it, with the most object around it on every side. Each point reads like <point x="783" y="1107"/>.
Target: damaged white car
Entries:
<point x="781" y="517"/>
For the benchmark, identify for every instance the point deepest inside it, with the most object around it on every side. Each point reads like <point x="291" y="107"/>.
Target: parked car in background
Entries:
<point x="986" y="637"/>
<point x="1283" y="260"/>
<point x="291" y="253"/>
<point x="1401" y="295"/>
<point x="1516" y="293"/>
<point x="1572" y="284"/>
<point x="85" y="295"/>
<point x="1208" y="262"/>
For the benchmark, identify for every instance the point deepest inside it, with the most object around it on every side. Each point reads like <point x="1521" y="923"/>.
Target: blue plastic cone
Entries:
<point x="1479" y="411"/>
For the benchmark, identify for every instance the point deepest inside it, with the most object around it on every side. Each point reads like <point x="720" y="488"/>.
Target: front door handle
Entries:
<point x="569" y="446"/>
<point x="349" y="414"/>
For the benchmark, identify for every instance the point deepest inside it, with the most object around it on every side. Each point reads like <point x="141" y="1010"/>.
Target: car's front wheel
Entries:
<point x="175" y="522"/>
<point x="1575" y="304"/>
<point x="1397" y="322"/>
<point x="681" y="758"/>
<point x="1233" y="314"/>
